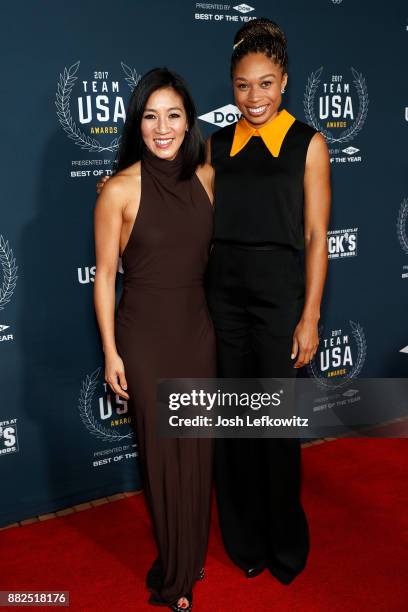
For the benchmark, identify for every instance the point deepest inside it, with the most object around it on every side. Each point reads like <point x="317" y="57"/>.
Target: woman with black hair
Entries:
<point x="272" y="201"/>
<point x="156" y="211"/>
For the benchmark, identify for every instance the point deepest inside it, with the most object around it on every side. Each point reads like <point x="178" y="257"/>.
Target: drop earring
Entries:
<point x="283" y="91"/>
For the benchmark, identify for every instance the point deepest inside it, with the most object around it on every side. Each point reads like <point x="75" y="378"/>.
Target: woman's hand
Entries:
<point x="101" y="183"/>
<point x="114" y="371"/>
<point x="305" y="342"/>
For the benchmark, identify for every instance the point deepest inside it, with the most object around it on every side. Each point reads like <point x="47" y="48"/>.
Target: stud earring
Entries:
<point x="283" y="90"/>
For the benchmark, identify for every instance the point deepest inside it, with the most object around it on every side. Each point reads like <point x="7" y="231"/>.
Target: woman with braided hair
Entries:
<point x="272" y="201"/>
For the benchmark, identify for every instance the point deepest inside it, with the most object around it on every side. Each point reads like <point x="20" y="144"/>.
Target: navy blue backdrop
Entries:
<point x="67" y="70"/>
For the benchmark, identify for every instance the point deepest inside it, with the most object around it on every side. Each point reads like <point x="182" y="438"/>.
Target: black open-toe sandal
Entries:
<point x="176" y="608"/>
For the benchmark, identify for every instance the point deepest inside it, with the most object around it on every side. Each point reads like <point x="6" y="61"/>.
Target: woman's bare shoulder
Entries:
<point x="123" y="182"/>
<point x="206" y="171"/>
<point x="130" y="171"/>
<point x="129" y="174"/>
<point x="120" y="189"/>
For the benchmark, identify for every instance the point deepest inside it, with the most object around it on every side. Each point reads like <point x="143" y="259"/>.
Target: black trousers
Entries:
<point x="255" y="297"/>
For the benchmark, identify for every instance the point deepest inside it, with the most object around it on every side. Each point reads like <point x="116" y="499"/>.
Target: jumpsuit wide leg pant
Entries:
<point x="167" y="333"/>
<point x="255" y="297"/>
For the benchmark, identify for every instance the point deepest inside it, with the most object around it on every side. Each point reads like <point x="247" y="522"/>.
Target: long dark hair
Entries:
<point x="132" y="144"/>
<point x="260" y="36"/>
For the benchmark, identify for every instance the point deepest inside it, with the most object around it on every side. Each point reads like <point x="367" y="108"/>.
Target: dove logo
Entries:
<point x="5" y="337"/>
<point x="350" y="150"/>
<point x="350" y="392"/>
<point x="244" y="8"/>
<point x="226" y="115"/>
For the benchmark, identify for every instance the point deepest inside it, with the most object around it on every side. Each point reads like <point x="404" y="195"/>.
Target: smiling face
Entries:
<point x="257" y="83"/>
<point x="164" y="123"/>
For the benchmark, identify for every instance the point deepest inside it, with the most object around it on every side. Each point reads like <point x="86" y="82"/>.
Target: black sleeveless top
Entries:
<point x="258" y="197"/>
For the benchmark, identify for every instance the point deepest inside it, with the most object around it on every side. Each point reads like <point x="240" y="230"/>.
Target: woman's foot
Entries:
<point x="253" y="572"/>
<point x="184" y="604"/>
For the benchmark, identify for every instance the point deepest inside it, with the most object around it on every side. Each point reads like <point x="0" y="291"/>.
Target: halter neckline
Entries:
<point x="164" y="167"/>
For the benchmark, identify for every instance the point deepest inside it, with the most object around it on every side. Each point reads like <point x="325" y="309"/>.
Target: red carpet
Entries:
<point x="355" y="494"/>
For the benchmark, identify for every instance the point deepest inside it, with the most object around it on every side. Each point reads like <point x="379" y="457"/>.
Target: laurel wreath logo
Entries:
<point x="308" y="101"/>
<point x="8" y="264"/>
<point x="62" y="100"/>
<point x="85" y="411"/>
<point x="328" y="383"/>
<point x="402" y="225"/>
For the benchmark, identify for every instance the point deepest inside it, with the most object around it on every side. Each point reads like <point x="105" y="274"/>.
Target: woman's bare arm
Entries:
<point x="316" y="219"/>
<point x="108" y="218"/>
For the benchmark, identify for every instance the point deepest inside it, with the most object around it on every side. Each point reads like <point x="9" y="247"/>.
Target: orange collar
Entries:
<point x="273" y="133"/>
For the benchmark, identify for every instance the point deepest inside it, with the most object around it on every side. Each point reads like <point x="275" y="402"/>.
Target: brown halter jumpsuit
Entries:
<point x="163" y="330"/>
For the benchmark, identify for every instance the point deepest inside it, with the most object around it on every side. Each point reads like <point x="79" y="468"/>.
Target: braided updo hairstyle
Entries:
<point x="260" y="36"/>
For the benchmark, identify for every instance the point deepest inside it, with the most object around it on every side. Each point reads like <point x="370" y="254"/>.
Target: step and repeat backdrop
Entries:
<point x="67" y="71"/>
